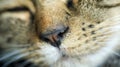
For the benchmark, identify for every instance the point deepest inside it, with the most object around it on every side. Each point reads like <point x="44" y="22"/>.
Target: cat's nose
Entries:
<point x="54" y="37"/>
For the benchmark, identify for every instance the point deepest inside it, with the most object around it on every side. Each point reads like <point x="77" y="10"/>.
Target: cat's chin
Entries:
<point x="53" y="55"/>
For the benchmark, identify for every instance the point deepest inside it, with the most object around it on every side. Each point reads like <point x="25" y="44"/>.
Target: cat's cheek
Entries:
<point x="51" y="54"/>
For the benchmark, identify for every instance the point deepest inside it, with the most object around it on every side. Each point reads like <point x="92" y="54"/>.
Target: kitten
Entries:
<point x="59" y="33"/>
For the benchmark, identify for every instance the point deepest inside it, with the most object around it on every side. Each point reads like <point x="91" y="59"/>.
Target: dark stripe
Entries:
<point x="108" y="6"/>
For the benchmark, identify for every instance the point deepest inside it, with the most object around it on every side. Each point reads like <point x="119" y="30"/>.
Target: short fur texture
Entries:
<point x="92" y="40"/>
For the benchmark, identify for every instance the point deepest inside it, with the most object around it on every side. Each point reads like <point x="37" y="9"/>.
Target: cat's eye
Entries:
<point x="22" y="13"/>
<point x="17" y="9"/>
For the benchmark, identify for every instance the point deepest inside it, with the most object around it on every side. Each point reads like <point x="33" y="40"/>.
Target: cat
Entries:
<point x="59" y="33"/>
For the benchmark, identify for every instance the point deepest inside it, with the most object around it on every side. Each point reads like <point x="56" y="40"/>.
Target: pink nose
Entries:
<point x="54" y="37"/>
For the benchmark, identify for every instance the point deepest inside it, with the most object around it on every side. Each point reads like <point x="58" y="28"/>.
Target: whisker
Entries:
<point x="10" y="54"/>
<point x="15" y="59"/>
<point x="40" y="61"/>
<point x="33" y="57"/>
<point x="114" y="52"/>
<point x="114" y="18"/>
<point x="17" y="46"/>
<point x="27" y="62"/>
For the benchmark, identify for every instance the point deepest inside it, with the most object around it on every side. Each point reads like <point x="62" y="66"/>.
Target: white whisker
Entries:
<point x="112" y="51"/>
<point x="15" y="46"/>
<point x="15" y="59"/>
<point x="10" y="54"/>
<point x="115" y="53"/>
<point x="117" y="18"/>
<point x="27" y="62"/>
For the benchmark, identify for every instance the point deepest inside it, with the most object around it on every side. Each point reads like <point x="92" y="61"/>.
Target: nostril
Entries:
<point x="54" y="37"/>
<point x="62" y="33"/>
